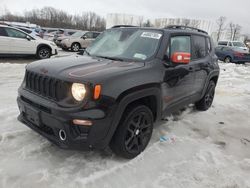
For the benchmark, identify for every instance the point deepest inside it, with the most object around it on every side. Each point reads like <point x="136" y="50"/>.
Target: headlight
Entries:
<point x="78" y="91"/>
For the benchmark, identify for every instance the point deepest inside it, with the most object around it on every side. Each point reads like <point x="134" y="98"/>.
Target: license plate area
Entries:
<point x="32" y="116"/>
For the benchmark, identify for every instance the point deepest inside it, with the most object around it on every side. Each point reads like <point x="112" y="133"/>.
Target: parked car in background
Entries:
<point x="14" y="41"/>
<point x="232" y="54"/>
<point x="63" y="33"/>
<point x="78" y="40"/>
<point x="31" y="32"/>
<point x="236" y="44"/>
<point x="48" y="34"/>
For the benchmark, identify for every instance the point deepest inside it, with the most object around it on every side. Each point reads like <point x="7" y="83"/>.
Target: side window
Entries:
<point x="199" y="47"/>
<point x="95" y="35"/>
<point x="179" y="44"/>
<point x="89" y="35"/>
<point x="15" y="33"/>
<point x="3" y="32"/>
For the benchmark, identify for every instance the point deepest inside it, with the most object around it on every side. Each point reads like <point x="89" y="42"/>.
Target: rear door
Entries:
<point x="201" y="61"/>
<point x="19" y="42"/>
<point x="4" y="42"/>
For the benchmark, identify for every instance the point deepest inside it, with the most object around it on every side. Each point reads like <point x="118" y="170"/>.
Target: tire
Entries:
<point x="75" y="47"/>
<point x="134" y="132"/>
<point x="207" y="100"/>
<point x="43" y="53"/>
<point x="228" y="59"/>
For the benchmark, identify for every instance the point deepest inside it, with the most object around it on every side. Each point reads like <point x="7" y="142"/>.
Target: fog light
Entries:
<point x="82" y="122"/>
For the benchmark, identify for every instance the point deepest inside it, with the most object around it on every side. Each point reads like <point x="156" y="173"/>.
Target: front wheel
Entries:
<point x="206" y="102"/>
<point x="75" y="47"/>
<point x="43" y="53"/>
<point x="227" y="59"/>
<point x="134" y="132"/>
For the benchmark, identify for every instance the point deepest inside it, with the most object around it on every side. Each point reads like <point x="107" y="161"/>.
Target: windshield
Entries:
<point x="78" y="34"/>
<point x="130" y="44"/>
<point x="239" y="44"/>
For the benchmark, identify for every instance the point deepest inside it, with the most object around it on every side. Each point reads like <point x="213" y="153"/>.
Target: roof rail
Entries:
<point x="184" y="27"/>
<point x="117" y="26"/>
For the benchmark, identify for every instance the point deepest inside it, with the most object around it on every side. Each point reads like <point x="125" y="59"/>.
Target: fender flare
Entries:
<point x="212" y="75"/>
<point x="131" y="96"/>
<point x="43" y="45"/>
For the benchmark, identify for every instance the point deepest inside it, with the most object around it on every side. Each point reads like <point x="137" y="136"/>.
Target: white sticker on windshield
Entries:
<point x="151" y="35"/>
<point x="140" y="56"/>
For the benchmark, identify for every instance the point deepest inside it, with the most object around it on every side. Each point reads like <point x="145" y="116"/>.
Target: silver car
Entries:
<point x="79" y="40"/>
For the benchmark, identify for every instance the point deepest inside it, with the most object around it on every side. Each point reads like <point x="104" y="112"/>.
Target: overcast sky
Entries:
<point x="237" y="11"/>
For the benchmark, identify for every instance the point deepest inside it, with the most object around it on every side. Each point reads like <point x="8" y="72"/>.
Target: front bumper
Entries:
<point x="65" y="45"/>
<point x="43" y="118"/>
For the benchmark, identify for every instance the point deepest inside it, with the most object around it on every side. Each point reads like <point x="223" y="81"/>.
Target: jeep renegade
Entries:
<point x="126" y="80"/>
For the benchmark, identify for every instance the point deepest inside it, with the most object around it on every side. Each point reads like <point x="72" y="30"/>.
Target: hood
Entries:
<point x="81" y="68"/>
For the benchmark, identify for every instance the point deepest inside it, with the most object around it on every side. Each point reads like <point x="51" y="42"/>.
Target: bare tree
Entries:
<point x="140" y="21"/>
<point x="221" y="22"/>
<point x="51" y="17"/>
<point x="186" y="22"/>
<point x="234" y="30"/>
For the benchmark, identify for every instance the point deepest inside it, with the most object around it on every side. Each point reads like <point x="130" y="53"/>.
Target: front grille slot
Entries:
<point x="45" y="86"/>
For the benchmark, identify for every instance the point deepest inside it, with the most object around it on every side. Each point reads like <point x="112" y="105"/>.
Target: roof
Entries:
<point x="172" y="28"/>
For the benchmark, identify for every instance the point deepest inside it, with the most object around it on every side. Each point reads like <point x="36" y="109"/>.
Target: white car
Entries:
<point x="16" y="42"/>
<point x="236" y="44"/>
<point x="79" y="40"/>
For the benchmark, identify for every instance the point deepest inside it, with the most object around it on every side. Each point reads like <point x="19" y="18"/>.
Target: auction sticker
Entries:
<point x="151" y="35"/>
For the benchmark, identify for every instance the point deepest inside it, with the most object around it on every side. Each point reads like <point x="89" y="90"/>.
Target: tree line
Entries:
<point x="231" y="28"/>
<point x="52" y="17"/>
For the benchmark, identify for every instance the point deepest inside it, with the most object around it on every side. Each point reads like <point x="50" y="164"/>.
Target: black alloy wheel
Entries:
<point x="134" y="132"/>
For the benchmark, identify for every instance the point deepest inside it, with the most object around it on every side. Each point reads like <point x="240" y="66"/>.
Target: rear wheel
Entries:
<point x="206" y="102"/>
<point x="134" y="132"/>
<point x="75" y="47"/>
<point x="43" y="53"/>
<point x="228" y="59"/>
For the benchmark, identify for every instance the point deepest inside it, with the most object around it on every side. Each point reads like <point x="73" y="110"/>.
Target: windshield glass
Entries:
<point x="78" y="34"/>
<point x="130" y="43"/>
<point x="239" y="44"/>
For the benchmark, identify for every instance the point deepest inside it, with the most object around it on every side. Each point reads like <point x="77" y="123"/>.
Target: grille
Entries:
<point x="45" y="86"/>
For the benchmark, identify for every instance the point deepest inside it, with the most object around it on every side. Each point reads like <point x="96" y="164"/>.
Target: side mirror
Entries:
<point x="181" y="58"/>
<point x="28" y="37"/>
<point x="84" y="37"/>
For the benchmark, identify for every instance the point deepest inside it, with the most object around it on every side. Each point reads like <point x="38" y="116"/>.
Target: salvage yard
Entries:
<point x="189" y="149"/>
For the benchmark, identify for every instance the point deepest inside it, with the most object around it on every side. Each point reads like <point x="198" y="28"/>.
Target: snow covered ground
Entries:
<point x="202" y="149"/>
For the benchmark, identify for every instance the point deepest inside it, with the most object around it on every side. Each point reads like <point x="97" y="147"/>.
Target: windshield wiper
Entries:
<point x="111" y="58"/>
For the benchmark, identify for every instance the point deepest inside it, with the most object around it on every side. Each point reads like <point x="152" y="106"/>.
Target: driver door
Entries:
<point x="178" y="82"/>
<point x="20" y="44"/>
<point x="87" y="39"/>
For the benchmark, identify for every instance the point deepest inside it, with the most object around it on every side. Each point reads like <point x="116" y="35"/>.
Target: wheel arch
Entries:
<point x="75" y="42"/>
<point x="43" y="45"/>
<point x="149" y="96"/>
<point x="214" y="76"/>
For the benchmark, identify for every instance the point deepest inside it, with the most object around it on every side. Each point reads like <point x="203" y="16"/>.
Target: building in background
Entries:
<point x="205" y="25"/>
<point x="123" y="19"/>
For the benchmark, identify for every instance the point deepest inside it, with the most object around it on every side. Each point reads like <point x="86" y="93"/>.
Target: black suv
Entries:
<point x="126" y="80"/>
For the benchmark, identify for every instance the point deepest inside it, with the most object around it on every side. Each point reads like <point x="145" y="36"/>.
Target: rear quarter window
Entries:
<point x="199" y="47"/>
